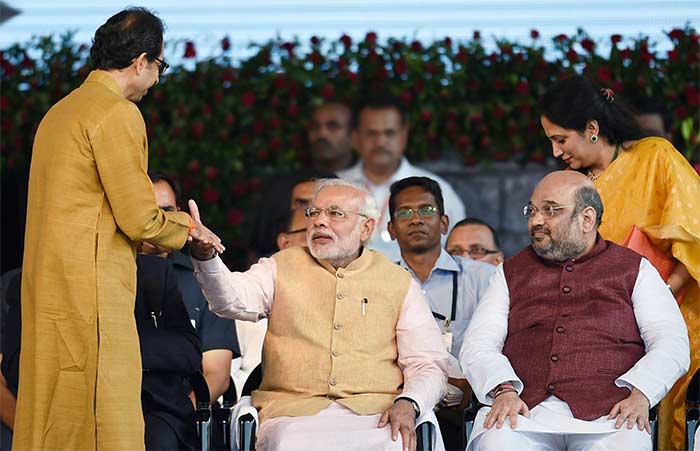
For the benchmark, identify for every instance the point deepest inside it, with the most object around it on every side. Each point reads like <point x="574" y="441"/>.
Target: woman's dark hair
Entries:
<point x="573" y="101"/>
<point x="124" y="37"/>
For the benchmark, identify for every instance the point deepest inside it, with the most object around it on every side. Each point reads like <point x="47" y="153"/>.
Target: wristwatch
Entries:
<point x="414" y="404"/>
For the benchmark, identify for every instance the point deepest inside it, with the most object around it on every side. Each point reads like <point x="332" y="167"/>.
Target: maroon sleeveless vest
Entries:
<point x="571" y="327"/>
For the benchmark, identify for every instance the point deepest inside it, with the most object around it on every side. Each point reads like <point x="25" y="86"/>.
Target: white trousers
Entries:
<point x="334" y="428"/>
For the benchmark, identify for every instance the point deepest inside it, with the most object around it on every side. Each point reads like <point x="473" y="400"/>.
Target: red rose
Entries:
<point x="262" y="154"/>
<point x="462" y="55"/>
<point x="626" y="54"/>
<point x="255" y="184"/>
<point x="473" y="85"/>
<point x="190" y="52"/>
<point x="328" y="91"/>
<point x="5" y="102"/>
<point x="225" y="44"/>
<point x="499" y="156"/>
<point x="342" y="64"/>
<point x="382" y="73"/>
<point x="211" y="172"/>
<point x="153" y="118"/>
<point x="485" y="142"/>
<point x="588" y="44"/>
<point x="258" y="127"/>
<point x="692" y="94"/>
<point x="477" y="35"/>
<point x="353" y="76"/>
<point x="681" y="112"/>
<point x="235" y="217"/>
<point x="274" y="144"/>
<point x="534" y="34"/>
<point x="244" y="140"/>
<point x="275" y="122"/>
<point x="507" y="50"/>
<point x="452" y="114"/>
<point x="228" y="76"/>
<point x="419" y="85"/>
<point x="447" y="42"/>
<point x="296" y="140"/>
<point x="239" y="189"/>
<point x="498" y="84"/>
<point x="604" y="75"/>
<point x="289" y="47"/>
<point x="673" y="55"/>
<point x="431" y="68"/>
<point x="193" y="166"/>
<point x="400" y="66"/>
<point x="537" y="157"/>
<point x="371" y="37"/>
<point x="426" y="115"/>
<point x="416" y="46"/>
<point x="616" y="86"/>
<point x="248" y="99"/>
<point x="406" y="97"/>
<point x="217" y="96"/>
<point x="571" y="55"/>
<point x="346" y="40"/>
<point x="615" y="38"/>
<point x="676" y="34"/>
<point x="206" y="109"/>
<point x="315" y="40"/>
<point x="316" y="58"/>
<point x="463" y="142"/>
<point x="560" y="38"/>
<point x="493" y="57"/>
<point x="372" y="56"/>
<point x="697" y="168"/>
<point x="293" y="110"/>
<point x="28" y="63"/>
<point x="640" y="82"/>
<point x="522" y="88"/>
<point x="498" y="111"/>
<point x="197" y="129"/>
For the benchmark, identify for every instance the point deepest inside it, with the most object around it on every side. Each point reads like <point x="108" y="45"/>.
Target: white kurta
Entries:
<point x="661" y="327"/>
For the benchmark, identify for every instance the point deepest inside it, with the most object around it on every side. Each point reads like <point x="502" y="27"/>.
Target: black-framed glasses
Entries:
<point x="426" y="211"/>
<point x="476" y="252"/>
<point x="547" y="211"/>
<point x="162" y="65"/>
<point x="334" y="213"/>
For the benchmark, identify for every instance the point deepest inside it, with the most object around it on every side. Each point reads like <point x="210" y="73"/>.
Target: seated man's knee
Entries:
<point x="499" y="439"/>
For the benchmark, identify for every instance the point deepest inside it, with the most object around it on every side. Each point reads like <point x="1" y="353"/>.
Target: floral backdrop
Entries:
<point x="225" y="126"/>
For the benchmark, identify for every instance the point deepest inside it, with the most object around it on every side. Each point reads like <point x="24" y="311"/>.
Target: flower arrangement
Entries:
<point x="225" y="127"/>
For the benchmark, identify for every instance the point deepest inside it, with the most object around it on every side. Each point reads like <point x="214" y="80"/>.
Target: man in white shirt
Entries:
<point x="575" y="337"/>
<point x="380" y="136"/>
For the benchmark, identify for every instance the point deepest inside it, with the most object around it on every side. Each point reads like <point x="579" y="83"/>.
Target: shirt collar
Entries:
<point x="403" y="171"/>
<point x="104" y="78"/>
<point x="445" y="262"/>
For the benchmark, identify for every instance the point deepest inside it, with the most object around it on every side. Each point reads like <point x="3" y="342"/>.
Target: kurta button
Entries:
<point x="551" y="387"/>
<point x="554" y="358"/>
<point x="341" y="275"/>
<point x="569" y="268"/>
<point x="332" y="382"/>
<point x="339" y="295"/>
<point x="337" y="326"/>
<point x="560" y="329"/>
<point x="335" y="353"/>
<point x="566" y="289"/>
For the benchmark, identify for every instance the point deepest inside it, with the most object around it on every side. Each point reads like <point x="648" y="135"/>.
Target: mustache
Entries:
<point x="380" y="150"/>
<point x="539" y="228"/>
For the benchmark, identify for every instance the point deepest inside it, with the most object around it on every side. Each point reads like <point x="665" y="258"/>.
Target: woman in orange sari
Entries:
<point x="644" y="182"/>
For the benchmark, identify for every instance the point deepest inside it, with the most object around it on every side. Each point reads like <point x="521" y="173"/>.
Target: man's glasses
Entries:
<point x="426" y="211"/>
<point x="162" y="65"/>
<point x="333" y="213"/>
<point x="548" y="211"/>
<point x="475" y="252"/>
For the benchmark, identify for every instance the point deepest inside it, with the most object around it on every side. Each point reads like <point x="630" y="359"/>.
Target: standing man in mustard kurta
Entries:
<point x="90" y="203"/>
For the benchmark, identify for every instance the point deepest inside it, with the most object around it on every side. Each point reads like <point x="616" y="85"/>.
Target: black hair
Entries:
<point x="477" y="221"/>
<point x="384" y="102"/>
<point x="428" y="184"/>
<point x="650" y="105"/>
<point x="588" y="196"/>
<point x="572" y="102"/>
<point x="160" y="176"/>
<point x="125" y="36"/>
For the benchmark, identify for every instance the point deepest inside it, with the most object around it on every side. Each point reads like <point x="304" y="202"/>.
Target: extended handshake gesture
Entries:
<point x="203" y="242"/>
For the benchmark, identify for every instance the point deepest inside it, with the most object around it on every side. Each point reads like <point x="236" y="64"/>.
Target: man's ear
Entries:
<point x="392" y="231"/>
<point x="140" y="63"/>
<point x="444" y="224"/>
<point x="367" y="229"/>
<point x="282" y="241"/>
<point x="588" y="217"/>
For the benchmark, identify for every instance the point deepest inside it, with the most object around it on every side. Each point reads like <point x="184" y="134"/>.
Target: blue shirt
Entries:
<point x="472" y="280"/>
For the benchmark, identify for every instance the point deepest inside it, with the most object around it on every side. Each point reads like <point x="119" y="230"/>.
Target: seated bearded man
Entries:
<point x="352" y="356"/>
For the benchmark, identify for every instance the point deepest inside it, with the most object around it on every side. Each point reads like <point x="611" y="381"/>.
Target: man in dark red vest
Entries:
<point x="575" y="338"/>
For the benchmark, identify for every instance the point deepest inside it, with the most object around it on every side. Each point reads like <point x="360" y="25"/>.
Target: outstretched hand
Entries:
<point x="402" y="418"/>
<point x="203" y="242"/>
<point x="507" y="405"/>
<point x="634" y="409"/>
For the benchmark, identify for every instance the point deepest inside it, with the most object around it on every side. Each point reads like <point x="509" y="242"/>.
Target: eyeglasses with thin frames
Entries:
<point x="162" y="65"/>
<point x="426" y="211"/>
<point x="333" y="213"/>
<point x="475" y="252"/>
<point x="548" y="211"/>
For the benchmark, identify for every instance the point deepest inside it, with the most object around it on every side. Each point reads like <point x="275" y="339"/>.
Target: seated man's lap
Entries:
<point x="335" y="427"/>
<point x="513" y="439"/>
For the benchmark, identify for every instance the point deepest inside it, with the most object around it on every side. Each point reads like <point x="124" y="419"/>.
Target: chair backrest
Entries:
<point x="692" y="411"/>
<point x="202" y="413"/>
<point x="253" y="382"/>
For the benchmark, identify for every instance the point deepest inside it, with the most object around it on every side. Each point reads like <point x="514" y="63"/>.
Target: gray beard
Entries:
<point x="560" y="251"/>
